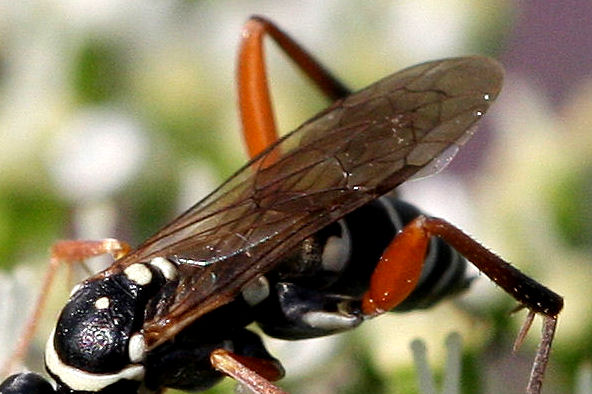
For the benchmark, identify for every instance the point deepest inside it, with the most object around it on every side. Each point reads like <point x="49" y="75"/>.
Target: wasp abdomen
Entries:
<point x="317" y="289"/>
<point x="372" y="228"/>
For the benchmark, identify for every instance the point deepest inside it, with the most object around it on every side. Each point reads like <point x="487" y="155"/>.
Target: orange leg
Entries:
<point x="259" y="129"/>
<point x="398" y="271"/>
<point x="399" y="268"/>
<point x="252" y="372"/>
<point x="67" y="252"/>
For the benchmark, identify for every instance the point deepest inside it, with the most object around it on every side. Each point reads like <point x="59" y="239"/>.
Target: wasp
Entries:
<point x="306" y="240"/>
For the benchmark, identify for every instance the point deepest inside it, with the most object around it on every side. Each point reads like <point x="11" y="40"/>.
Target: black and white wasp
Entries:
<point x="304" y="240"/>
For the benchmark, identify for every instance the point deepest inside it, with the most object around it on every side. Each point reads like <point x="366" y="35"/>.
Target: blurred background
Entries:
<point x="117" y="115"/>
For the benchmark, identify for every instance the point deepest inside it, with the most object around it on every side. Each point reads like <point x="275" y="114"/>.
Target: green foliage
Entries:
<point x="29" y="221"/>
<point x="571" y="207"/>
<point x="99" y="72"/>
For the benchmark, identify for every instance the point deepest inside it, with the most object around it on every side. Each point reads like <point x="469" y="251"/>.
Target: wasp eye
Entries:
<point x="97" y="339"/>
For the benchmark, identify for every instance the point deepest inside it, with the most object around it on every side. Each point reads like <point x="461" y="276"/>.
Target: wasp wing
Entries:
<point x="358" y="149"/>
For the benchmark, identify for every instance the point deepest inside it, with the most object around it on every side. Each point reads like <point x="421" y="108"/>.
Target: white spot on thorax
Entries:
<point x="138" y="273"/>
<point x="102" y="303"/>
<point x="168" y="269"/>
<point x="337" y="250"/>
<point x="256" y="291"/>
<point x="137" y="348"/>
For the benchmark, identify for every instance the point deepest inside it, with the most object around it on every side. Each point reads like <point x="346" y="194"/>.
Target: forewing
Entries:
<point x="351" y="153"/>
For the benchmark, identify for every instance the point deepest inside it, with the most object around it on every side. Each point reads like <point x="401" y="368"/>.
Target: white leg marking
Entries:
<point x="331" y="321"/>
